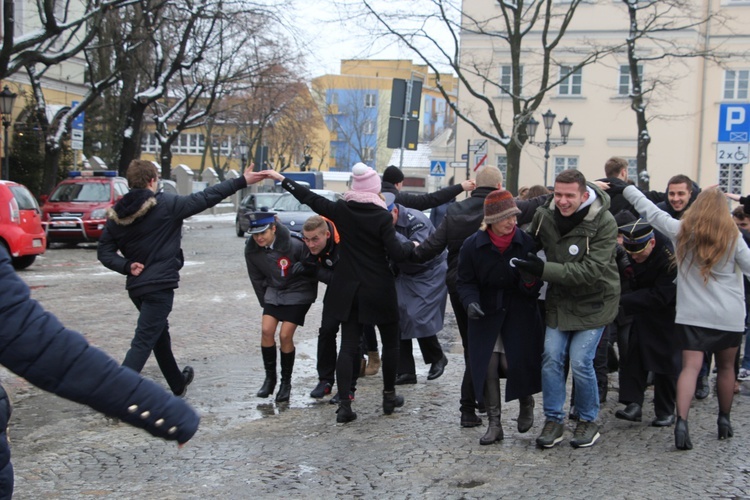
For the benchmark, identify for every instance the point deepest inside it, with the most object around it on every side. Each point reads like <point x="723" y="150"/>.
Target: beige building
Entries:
<point x="683" y="108"/>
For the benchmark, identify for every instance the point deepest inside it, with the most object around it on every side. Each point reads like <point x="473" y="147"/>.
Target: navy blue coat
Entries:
<point x="510" y="310"/>
<point x="36" y="346"/>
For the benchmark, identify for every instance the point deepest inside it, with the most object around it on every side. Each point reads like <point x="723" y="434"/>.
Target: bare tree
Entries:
<point x="524" y="29"/>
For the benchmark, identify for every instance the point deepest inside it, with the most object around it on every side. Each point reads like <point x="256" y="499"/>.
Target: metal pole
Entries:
<point x="404" y="120"/>
<point x="546" y="156"/>
<point x="6" y="163"/>
<point x="468" y="157"/>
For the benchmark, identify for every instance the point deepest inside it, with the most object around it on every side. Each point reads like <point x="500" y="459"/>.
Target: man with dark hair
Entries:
<point x="393" y="179"/>
<point x="578" y="235"/>
<point x="681" y="193"/>
<point x="142" y="241"/>
<point x="617" y="168"/>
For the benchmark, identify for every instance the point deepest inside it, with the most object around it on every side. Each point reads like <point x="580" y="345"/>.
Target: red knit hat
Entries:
<point x="499" y="205"/>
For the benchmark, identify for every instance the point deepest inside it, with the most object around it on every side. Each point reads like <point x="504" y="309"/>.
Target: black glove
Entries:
<point x="532" y="265"/>
<point x="304" y="268"/>
<point x="474" y="311"/>
<point x="745" y="200"/>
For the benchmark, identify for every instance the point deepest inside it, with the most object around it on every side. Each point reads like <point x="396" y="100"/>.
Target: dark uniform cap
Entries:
<point x="260" y="221"/>
<point x="636" y="235"/>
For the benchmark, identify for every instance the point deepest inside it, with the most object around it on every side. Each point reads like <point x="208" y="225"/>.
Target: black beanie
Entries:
<point x="393" y="174"/>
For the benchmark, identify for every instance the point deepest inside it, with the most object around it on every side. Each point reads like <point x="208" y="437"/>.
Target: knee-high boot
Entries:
<point x="287" y="365"/>
<point x="526" y="413"/>
<point x="492" y="402"/>
<point x="269" y="363"/>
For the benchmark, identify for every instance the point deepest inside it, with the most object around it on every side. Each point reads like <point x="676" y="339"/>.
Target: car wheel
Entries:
<point x="238" y="229"/>
<point x="24" y="261"/>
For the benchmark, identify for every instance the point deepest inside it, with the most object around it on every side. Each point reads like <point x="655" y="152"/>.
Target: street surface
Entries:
<point x="252" y="448"/>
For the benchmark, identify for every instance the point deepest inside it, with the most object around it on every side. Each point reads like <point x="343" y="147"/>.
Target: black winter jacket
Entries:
<point x="36" y="346"/>
<point x="423" y="201"/>
<point x="147" y="228"/>
<point x="461" y="221"/>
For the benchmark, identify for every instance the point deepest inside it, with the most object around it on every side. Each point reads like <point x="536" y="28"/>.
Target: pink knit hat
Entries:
<point x="365" y="179"/>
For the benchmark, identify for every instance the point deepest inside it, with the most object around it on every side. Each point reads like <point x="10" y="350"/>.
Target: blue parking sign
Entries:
<point x="734" y="122"/>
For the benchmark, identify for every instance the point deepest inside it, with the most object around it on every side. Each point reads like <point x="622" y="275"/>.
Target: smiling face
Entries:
<point x="504" y="227"/>
<point x="569" y="197"/>
<point x="316" y="240"/>
<point x="678" y="196"/>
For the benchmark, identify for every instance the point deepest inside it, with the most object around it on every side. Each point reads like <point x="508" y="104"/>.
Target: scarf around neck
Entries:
<point x="365" y="197"/>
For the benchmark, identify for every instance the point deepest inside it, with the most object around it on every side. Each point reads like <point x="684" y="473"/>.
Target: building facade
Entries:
<point x="684" y="94"/>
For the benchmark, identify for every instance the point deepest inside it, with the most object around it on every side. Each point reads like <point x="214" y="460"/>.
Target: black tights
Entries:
<point x="351" y="335"/>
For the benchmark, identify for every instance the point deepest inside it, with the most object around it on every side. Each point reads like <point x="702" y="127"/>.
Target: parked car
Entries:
<point x="293" y="214"/>
<point x="76" y="211"/>
<point x="21" y="229"/>
<point x="252" y="203"/>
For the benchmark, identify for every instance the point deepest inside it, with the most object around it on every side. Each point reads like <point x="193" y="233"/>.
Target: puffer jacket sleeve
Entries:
<point x="36" y="346"/>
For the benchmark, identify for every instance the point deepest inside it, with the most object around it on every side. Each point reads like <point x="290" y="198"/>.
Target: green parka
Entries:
<point x="584" y="285"/>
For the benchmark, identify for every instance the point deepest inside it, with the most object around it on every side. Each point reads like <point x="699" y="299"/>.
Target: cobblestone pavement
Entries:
<point x="250" y="447"/>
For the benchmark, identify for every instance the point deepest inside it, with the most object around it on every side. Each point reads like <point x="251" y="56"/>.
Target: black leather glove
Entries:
<point x="532" y="265"/>
<point x="304" y="268"/>
<point x="474" y="311"/>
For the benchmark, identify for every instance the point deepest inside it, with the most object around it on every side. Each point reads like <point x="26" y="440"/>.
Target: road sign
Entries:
<point x="733" y="153"/>
<point x="464" y="156"/>
<point x="458" y="164"/>
<point x="480" y="162"/>
<point x="479" y="146"/>
<point x="437" y="168"/>
<point x="734" y="123"/>
<point x="76" y="130"/>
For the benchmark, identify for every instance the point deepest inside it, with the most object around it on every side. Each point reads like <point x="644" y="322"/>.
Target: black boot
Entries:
<point x="345" y="413"/>
<point x="526" y="414"/>
<point x="391" y="401"/>
<point x="287" y="365"/>
<point x="681" y="435"/>
<point x="269" y="362"/>
<point x="725" y="426"/>
<point x="492" y="401"/>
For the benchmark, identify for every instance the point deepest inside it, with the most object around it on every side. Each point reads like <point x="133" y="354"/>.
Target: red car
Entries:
<point x="76" y="211"/>
<point x="21" y="230"/>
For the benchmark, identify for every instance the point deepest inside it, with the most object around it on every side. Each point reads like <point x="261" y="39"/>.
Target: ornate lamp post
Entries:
<point x="7" y="99"/>
<point x="243" y="154"/>
<point x="549" y="119"/>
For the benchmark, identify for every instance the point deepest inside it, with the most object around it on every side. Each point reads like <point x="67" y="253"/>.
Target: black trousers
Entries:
<point x="431" y="353"/>
<point x="152" y="334"/>
<point x="329" y="327"/>
<point x="633" y="383"/>
<point x="468" y="399"/>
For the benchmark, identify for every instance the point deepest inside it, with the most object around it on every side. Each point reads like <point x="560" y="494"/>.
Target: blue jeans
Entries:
<point x="580" y="346"/>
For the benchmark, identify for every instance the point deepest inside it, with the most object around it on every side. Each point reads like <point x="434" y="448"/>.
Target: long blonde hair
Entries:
<point x="707" y="232"/>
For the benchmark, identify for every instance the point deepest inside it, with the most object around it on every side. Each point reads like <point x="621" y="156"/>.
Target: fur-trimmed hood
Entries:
<point x="133" y="205"/>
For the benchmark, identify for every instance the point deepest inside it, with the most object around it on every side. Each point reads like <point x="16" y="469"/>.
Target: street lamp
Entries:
<point x="7" y="99"/>
<point x="549" y="119"/>
<point x="243" y="154"/>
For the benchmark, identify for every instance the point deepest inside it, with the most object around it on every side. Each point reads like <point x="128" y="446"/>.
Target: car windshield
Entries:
<point x="289" y="203"/>
<point x="265" y="199"/>
<point x="82" y="191"/>
<point x="24" y="198"/>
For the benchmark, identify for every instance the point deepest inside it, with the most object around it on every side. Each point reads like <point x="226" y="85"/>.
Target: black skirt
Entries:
<point x="697" y="338"/>
<point x="292" y="314"/>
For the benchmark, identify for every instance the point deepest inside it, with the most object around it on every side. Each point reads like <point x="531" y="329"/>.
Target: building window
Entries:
<point x="625" y="83"/>
<point x="334" y="99"/>
<point x="368" y="154"/>
<point x="149" y="143"/>
<point x="633" y="169"/>
<point x="570" y="81"/>
<point x="564" y="163"/>
<point x="506" y="78"/>
<point x="368" y="127"/>
<point x="730" y="178"/>
<point x="502" y="164"/>
<point x="735" y="84"/>
<point x="370" y="100"/>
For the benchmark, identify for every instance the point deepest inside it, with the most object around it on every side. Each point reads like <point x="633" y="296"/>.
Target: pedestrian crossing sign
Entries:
<point x="437" y="168"/>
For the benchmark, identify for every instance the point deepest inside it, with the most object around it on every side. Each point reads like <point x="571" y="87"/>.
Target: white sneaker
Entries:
<point x="744" y="374"/>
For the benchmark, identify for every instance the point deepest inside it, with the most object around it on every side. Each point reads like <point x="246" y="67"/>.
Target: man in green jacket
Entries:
<point x="578" y="235"/>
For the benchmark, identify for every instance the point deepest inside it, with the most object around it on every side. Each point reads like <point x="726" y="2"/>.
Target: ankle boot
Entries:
<point x="391" y="401"/>
<point x="345" y="413"/>
<point x="269" y="363"/>
<point x="725" y="426"/>
<point x="526" y="414"/>
<point x="492" y="401"/>
<point x="287" y="365"/>
<point x="373" y="363"/>
<point x="681" y="435"/>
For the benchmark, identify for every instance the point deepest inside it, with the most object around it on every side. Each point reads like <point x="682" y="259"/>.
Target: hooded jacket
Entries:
<point x="584" y="284"/>
<point x="147" y="228"/>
